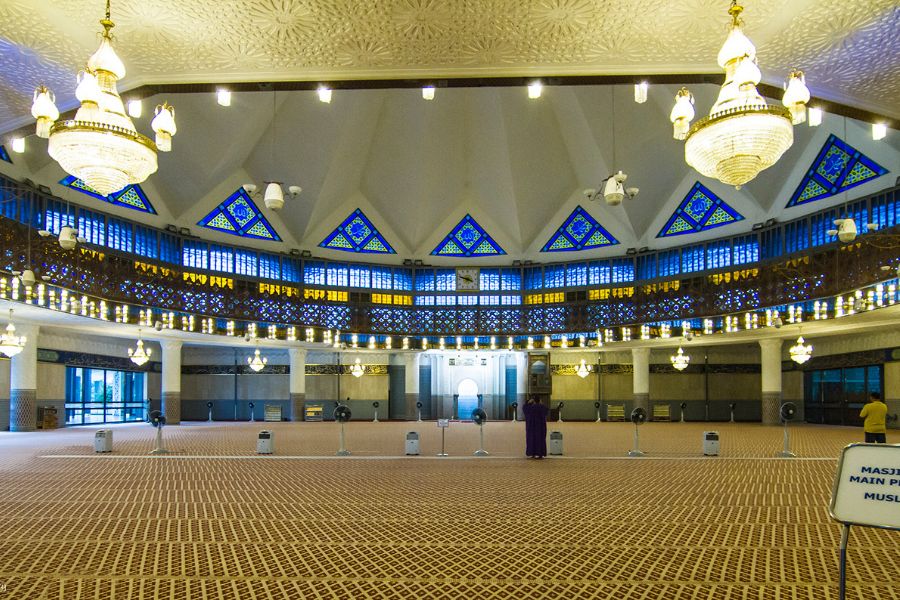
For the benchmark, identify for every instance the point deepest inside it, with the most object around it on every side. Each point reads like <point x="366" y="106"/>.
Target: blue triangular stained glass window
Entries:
<point x="837" y="167"/>
<point x="357" y="234"/>
<point x="580" y="231"/>
<point x="4" y="155"/>
<point x="131" y="196"/>
<point x="700" y="210"/>
<point x="468" y="238"/>
<point x="240" y="216"/>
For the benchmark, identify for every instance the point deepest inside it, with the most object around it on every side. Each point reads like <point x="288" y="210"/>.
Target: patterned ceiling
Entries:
<point x="416" y="168"/>
<point x="849" y="50"/>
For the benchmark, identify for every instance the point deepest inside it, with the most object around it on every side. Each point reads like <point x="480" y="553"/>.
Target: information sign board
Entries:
<point x="867" y="486"/>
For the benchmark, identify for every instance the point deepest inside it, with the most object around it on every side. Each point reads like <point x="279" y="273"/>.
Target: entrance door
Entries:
<point x="467" y="394"/>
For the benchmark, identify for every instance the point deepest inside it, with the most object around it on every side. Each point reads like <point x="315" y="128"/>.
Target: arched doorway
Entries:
<point x="467" y="398"/>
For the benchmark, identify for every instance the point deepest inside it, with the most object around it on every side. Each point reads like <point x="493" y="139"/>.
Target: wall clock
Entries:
<point x="467" y="279"/>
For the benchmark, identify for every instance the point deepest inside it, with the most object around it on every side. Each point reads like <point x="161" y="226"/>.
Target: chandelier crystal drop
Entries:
<point x="10" y="343"/>
<point x="583" y="369"/>
<point x="100" y="145"/>
<point x="680" y="360"/>
<point x="743" y="134"/>
<point x="800" y="352"/>
<point x="356" y="369"/>
<point x="257" y="363"/>
<point x="139" y="355"/>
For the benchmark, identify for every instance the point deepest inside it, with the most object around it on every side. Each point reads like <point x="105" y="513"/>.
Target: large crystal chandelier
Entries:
<point x="139" y="355"/>
<point x="583" y="369"/>
<point x="357" y="370"/>
<point x="800" y="352"/>
<point x="680" y="360"/>
<point x="100" y="145"/>
<point x="10" y="343"/>
<point x="742" y="134"/>
<point x="257" y="363"/>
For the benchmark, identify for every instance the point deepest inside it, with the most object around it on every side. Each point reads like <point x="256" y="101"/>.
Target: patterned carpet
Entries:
<point x="214" y="520"/>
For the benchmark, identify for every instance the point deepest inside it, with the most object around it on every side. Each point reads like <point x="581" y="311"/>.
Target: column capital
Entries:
<point x="29" y="330"/>
<point x="297" y="353"/>
<point x="771" y="344"/>
<point x="169" y="345"/>
<point x="641" y="352"/>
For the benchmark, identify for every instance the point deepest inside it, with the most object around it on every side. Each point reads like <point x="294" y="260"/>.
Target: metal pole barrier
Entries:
<point x="842" y="590"/>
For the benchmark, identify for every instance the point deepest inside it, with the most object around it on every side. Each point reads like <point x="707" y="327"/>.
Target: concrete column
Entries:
<point x="171" y="381"/>
<point x="411" y="383"/>
<point x="521" y="382"/>
<point x="23" y="382"/>
<point x="640" y="360"/>
<point x="770" y="367"/>
<point x="297" y="382"/>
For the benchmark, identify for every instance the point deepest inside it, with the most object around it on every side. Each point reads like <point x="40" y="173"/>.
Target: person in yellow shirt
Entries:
<point x="874" y="413"/>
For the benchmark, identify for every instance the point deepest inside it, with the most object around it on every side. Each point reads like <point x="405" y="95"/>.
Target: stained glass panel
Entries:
<point x="239" y="215"/>
<point x="357" y="234"/>
<point x="837" y="167"/>
<point x="699" y="211"/>
<point x="468" y="238"/>
<point x="580" y="231"/>
<point x="131" y="196"/>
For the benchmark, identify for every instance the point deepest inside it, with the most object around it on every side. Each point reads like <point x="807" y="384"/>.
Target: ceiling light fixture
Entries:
<point x="742" y="134"/>
<point x="428" y="92"/>
<point x="257" y="363"/>
<point x="357" y="370"/>
<point x="223" y="97"/>
<point x="10" y="343"/>
<point x="614" y="190"/>
<point x="583" y="369"/>
<point x="640" y="92"/>
<point x="324" y="94"/>
<point x="139" y="355"/>
<point x="273" y="197"/>
<point x="100" y="145"/>
<point x="680" y="360"/>
<point x="879" y="131"/>
<point x="813" y="116"/>
<point x="800" y="353"/>
<point x="135" y="108"/>
<point x="535" y="88"/>
<point x="18" y="145"/>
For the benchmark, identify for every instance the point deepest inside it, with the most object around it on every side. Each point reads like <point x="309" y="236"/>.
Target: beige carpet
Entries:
<point x="215" y="521"/>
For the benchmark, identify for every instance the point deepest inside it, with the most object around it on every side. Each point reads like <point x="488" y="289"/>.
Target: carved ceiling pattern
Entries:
<point x="849" y="49"/>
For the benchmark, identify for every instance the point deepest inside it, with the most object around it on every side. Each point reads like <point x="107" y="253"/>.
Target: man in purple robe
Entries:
<point x="535" y="428"/>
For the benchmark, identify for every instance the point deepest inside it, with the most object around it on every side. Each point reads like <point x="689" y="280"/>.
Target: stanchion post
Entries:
<point x="842" y="590"/>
